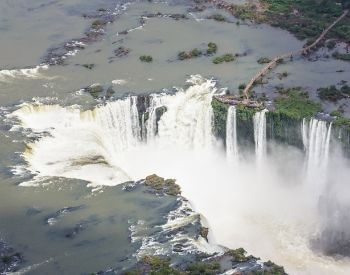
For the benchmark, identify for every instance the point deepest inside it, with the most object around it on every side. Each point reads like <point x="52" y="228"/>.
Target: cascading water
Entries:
<point x="156" y="101"/>
<point x="260" y="135"/>
<point x="316" y="138"/>
<point x="91" y="145"/>
<point x="231" y="136"/>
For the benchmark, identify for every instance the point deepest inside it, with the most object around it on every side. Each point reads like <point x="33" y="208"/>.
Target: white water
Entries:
<point x="231" y="136"/>
<point x="7" y="75"/>
<point x="257" y="211"/>
<point x="316" y="137"/>
<point x="81" y="143"/>
<point x="260" y="135"/>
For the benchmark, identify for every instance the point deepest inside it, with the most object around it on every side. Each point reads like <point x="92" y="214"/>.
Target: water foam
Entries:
<point x="32" y="73"/>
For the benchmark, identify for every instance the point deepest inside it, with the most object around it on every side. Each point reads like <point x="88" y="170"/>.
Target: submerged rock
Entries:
<point x="53" y="218"/>
<point x="94" y="90"/>
<point x="9" y="258"/>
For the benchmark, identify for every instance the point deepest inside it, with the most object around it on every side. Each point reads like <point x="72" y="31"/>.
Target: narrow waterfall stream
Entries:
<point x="231" y="136"/>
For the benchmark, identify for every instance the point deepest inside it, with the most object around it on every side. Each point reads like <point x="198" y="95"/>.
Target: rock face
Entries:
<point x="9" y="258"/>
<point x="181" y="241"/>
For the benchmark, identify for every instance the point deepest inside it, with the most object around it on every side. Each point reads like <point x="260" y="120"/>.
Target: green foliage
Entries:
<point x="98" y="24"/>
<point x="341" y="56"/>
<point x="89" y="66"/>
<point x="94" y="90"/>
<point x="263" y="60"/>
<point x="212" y="48"/>
<point x="245" y="113"/>
<point x="307" y="18"/>
<point x="195" y="52"/>
<point x="341" y="121"/>
<point x="204" y="268"/>
<point x="146" y="58"/>
<point x="242" y="86"/>
<point x="219" y="17"/>
<point x="224" y="58"/>
<point x="245" y="12"/>
<point x="331" y="93"/>
<point x="238" y="255"/>
<point x="220" y="115"/>
<point x="168" y="186"/>
<point x="273" y="269"/>
<point x="191" y="54"/>
<point x="295" y="104"/>
<point x="154" y="265"/>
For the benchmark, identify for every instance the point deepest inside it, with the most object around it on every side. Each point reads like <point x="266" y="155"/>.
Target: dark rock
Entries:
<point x="9" y="259"/>
<point x="121" y="51"/>
<point x="94" y="90"/>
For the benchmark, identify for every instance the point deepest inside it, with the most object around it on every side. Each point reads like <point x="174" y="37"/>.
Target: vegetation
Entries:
<point x="212" y="48"/>
<point x="167" y="186"/>
<point x="295" y="104"/>
<point x="98" y="24"/>
<point x="199" y="268"/>
<point x="89" y="66"/>
<point x="263" y="60"/>
<point x="224" y="58"/>
<point x="238" y="255"/>
<point x="273" y="269"/>
<point x="308" y="18"/>
<point x="146" y="58"/>
<point x="187" y="55"/>
<point x="282" y="75"/>
<point x="94" y="90"/>
<point x="220" y="115"/>
<point x="342" y="56"/>
<point x="333" y="94"/>
<point x="218" y="17"/>
<point x="154" y="265"/>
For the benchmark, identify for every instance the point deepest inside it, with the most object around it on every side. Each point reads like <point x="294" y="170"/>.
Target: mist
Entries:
<point x="273" y="204"/>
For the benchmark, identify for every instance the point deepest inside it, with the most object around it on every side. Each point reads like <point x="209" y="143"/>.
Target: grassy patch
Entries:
<point x="146" y="58"/>
<point x="296" y="104"/>
<point x="333" y="94"/>
<point x="224" y="58"/>
<point x="188" y="55"/>
<point x="212" y="48"/>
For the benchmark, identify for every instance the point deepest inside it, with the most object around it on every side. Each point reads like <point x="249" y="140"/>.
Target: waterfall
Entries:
<point x="231" y="135"/>
<point x="260" y="135"/>
<point x="187" y="123"/>
<point x="156" y="101"/>
<point x="316" y="138"/>
<point x="93" y="145"/>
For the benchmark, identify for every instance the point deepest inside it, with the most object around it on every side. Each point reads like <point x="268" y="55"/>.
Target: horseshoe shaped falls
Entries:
<point x="174" y="137"/>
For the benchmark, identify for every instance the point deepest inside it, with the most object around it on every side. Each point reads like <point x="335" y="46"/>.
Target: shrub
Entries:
<point x="224" y="58"/>
<point x="212" y="48"/>
<point x="263" y="60"/>
<point x="146" y="58"/>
